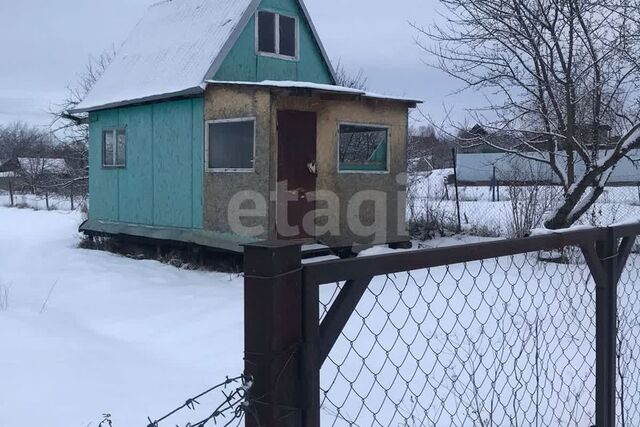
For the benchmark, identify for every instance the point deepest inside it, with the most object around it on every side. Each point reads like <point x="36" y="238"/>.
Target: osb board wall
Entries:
<point x="225" y="102"/>
<point x="220" y="187"/>
<point x="331" y="111"/>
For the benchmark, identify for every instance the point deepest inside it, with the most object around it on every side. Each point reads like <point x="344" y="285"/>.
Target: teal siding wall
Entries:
<point x="243" y="64"/>
<point x="162" y="182"/>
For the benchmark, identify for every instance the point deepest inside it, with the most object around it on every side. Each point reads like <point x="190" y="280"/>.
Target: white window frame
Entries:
<point x="207" y="142"/>
<point x="115" y="165"/>
<point x="277" y="55"/>
<point x="370" y="172"/>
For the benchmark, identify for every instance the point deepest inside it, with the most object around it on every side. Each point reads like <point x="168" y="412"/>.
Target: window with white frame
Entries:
<point x="363" y="148"/>
<point x="114" y="148"/>
<point x="230" y="145"/>
<point x="277" y="35"/>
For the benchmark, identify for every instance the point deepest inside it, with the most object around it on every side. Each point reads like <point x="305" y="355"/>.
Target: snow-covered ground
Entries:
<point x="39" y="202"/>
<point x="87" y="332"/>
<point x="481" y="214"/>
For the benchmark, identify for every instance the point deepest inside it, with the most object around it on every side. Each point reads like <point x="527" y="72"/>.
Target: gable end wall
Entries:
<point x="243" y="64"/>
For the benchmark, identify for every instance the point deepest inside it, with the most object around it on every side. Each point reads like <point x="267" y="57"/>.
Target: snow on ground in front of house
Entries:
<point x="88" y="332"/>
<point x="39" y="202"/>
<point x="116" y="335"/>
<point x="120" y="336"/>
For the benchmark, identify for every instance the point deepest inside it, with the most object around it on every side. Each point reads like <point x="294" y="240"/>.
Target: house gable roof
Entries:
<point x="174" y="49"/>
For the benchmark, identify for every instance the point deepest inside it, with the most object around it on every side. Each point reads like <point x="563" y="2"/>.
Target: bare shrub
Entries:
<point x="427" y="210"/>
<point x="531" y="197"/>
<point x="529" y="205"/>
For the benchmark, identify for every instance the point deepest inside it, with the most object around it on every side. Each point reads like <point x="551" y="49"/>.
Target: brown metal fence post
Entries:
<point x="606" y="335"/>
<point x="311" y="353"/>
<point x="603" y="260"/>
<point x="274" y="333"/>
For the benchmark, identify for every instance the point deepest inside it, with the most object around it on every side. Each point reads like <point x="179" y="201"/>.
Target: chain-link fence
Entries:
<point x="507" y="341"/>
<point x="628" y="343"/>
<point x="495" y="202"/>
<point x="540" y="331"/>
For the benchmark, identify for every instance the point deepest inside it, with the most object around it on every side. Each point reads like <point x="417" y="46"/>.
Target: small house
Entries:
<point x="219" y="123"/>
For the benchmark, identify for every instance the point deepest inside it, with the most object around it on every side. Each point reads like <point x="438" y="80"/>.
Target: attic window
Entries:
<point x="277" y="35"/>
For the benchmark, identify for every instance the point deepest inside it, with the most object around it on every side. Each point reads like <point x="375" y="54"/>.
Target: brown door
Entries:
<point x="296" y="173"/>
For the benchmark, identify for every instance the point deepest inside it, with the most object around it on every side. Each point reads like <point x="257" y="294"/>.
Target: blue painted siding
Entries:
<point x="102" y="182"/>
<point x="135" y="203"/>
<point x="162" y="182"/>
<point x="197" y="158"/>
<point x="243" y="64"/>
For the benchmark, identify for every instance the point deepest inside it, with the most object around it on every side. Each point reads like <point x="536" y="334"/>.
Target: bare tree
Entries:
<point x="40" y="173"/>
<point x="72" y="130"/>
<point x="355" y="81"/>
<point x="424" y="143"/>
<point x="20" y="139"/>
<point x="558" y="76"/>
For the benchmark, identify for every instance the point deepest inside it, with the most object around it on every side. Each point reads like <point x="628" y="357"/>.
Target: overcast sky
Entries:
<point x="45" y="43"/>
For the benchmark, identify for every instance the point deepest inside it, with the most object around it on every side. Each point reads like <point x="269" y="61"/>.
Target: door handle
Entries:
<point x="313" y="169"/>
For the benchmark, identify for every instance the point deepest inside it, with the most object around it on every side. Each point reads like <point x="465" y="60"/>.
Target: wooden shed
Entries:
<point x="219" y="123"/>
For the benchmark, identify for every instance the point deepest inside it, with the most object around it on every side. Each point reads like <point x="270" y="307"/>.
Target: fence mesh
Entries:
<point x="499" y="342"/>
<point x="503" y="209"/>
<point x="628" y="343"/>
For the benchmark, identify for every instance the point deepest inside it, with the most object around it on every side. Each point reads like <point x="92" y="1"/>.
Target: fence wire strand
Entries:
<point x="498" y="342"/>
<point x="230" y="411"/>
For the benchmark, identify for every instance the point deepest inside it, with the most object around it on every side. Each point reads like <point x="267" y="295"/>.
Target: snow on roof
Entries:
<point x="170" y="51"/>
<point x="316" y="86"/>
<point x="176" y="46"/>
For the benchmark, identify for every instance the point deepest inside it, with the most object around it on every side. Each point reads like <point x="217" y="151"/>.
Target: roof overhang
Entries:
<point x="187" y="93"/>
<point x="318" y="88"/>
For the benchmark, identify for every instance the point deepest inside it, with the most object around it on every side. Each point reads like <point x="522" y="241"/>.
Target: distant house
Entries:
<point x="8" y="168"/>
<point x="210" y="98"/>
<point x="479" y="169"/>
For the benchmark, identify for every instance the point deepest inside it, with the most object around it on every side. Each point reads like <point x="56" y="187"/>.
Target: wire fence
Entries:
<point x="506" y="341"/>
<point x="43" y="200"/>
<point x="230" y="411"/>
<point x="537" y="331"/>
<point x="496" y="206"/>
<point x="628" y="343"/>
